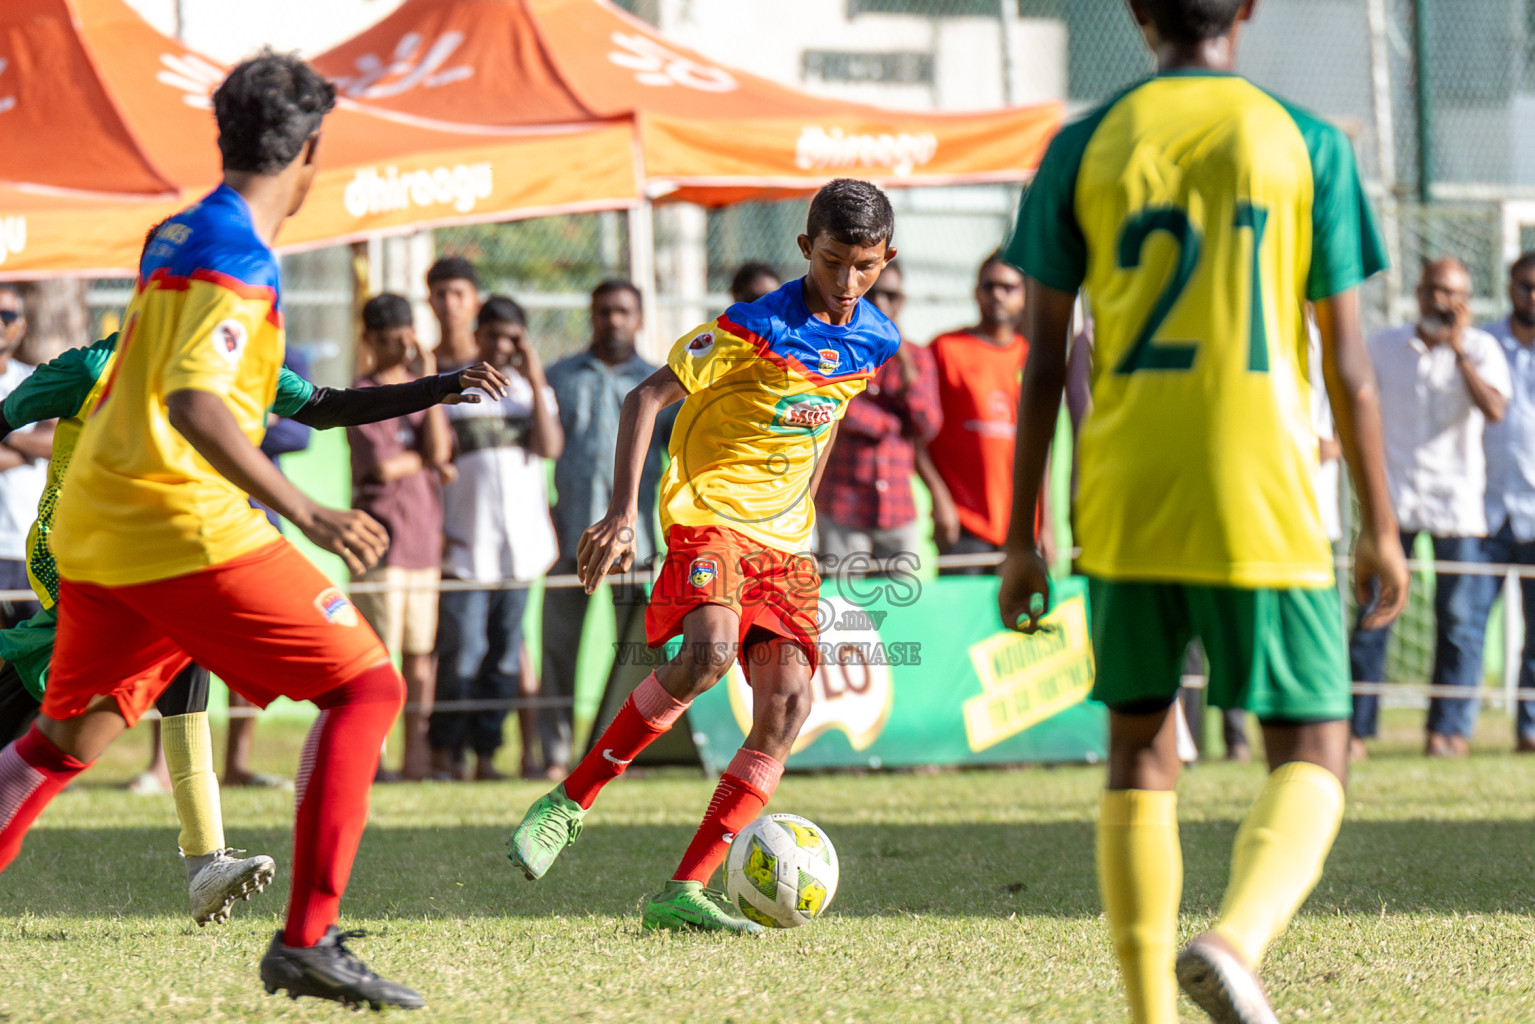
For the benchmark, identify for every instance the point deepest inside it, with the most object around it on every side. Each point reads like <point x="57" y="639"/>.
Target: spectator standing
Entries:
<point x="24" y="456"/>
<point x="865" y="501"/>
<point x="453" y="291"/>
<point x="590" y="387"/>
<point x="752" y="280"/>
<point x="1510" y="448"/>
<point x="496" y="527"/>
<point x="1441" y="381"/>
<point x="396" y="468"/>
<point x="968" y="465"/>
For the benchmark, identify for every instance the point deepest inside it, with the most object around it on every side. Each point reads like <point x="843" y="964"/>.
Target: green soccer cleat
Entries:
<point x="551" y="824"/>
<point x="688" y="906"/>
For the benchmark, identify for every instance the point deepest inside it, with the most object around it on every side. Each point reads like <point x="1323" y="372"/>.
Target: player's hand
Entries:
<point x="945" y="522"/>
<point x="354" y="535"/>
<point x="1024" y="599"/>
<point x="526" y="360"/>
<point x="606" y="547"/>
<point x="483" y="376"/>
<point x="1380" y="578"/>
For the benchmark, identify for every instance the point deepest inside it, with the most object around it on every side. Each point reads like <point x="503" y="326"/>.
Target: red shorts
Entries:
<point x="769" y="589"/>
<point x="268" y="623"/>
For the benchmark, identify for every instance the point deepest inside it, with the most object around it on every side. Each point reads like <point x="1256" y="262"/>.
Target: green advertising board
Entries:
<point x="923" y="674"/>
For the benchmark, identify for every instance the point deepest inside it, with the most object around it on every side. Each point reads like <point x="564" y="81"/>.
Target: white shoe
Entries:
<point x="218" y="879"/>
<point x="1216" y="977"/>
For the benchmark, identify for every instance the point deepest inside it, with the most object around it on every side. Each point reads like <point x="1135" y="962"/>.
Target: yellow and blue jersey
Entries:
<point x="766" y="381"/>
<point x="1199" y="214"/>
<point x="65" y="389"/>
<point x="142" y="504"/>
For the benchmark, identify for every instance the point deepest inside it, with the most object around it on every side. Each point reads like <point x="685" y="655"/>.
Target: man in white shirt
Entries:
<point x="496" y="526"/>
<point x="24" y="459"/>
<point x="1510" y="448"/>
<point x="1441" y="381"/>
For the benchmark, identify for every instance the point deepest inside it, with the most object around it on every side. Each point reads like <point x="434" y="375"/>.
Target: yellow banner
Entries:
<point x="1027" y="679"/>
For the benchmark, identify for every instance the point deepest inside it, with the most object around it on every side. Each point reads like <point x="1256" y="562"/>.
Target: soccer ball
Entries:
<point x="781" y="871"/>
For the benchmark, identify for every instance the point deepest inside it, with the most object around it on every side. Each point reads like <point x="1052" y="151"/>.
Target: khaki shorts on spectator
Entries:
<point x="405" y="615"/>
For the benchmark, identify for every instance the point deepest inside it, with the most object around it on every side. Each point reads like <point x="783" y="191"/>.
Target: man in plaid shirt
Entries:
<point x="864" y="504"/>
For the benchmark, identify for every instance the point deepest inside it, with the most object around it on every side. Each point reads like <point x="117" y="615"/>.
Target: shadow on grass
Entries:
<point x="982" y="870"/>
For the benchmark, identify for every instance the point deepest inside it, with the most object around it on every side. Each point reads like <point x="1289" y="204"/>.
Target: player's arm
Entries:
<point x="608" y="545"/>
<point x="206" y="422"/>
<point x="325" y="408"/>
<point x="1380" y="568"/>
<point x="1025" y="594"/>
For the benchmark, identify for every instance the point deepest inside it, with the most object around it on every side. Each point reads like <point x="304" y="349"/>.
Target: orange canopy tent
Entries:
<point x="111" y="129"/>
<point x="705" y="133"/>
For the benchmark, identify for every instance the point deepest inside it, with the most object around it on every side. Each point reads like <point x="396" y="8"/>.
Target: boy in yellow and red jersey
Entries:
<point x="162" y="560"/>
<point x="1199" y="214"/>
<point x="762" y="388"/>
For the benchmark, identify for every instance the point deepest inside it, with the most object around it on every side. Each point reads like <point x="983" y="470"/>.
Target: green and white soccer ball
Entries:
<point x="781" y="871"/>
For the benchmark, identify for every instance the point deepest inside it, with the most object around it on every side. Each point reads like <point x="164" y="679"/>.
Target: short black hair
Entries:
<point x="619" y="284"/>
<point x="452" y="268"/>
<point x="748" y="272"/>
<point x="501" y="309"/>
<point x="1524" y="262"/>
<point x="994" y="258"/>
<point x="1192" y="21"/>
<point x="267" y="109"/>
<point x="852" y="212"/>
<point x="385" y="311"/>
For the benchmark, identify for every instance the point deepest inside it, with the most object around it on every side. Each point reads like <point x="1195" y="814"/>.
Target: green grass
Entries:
<point x="965" y="896"/>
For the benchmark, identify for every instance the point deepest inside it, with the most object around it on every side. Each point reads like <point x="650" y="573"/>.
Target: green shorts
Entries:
<point x="1278" y="653"/>
<point x="29" y="646"/>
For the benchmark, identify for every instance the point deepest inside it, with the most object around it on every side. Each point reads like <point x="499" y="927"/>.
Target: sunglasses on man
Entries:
<point x="9" y="316"/>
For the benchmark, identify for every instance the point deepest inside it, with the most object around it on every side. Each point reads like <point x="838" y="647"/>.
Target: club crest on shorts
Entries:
<point x="229" y="337"/>
<point x="830" y="357"/>
<point x="703" y="572"/>
<point x="701" y="345"/>
<point x="335" y="607"/>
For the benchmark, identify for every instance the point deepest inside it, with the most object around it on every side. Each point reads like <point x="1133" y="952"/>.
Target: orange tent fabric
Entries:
<point x="706" y="133"/>
<point x="114" y="114"/>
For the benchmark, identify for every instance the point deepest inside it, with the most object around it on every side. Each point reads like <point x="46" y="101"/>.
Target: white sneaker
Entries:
<point x="1215" y="976"/>
<point x="216" y="880"/>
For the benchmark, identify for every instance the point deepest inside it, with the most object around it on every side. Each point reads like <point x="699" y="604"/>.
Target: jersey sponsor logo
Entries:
<point x="702" y="345"/>
<point x="821" y="148"/>
<point x="333" y="604"/>
<point x="798" y="413"/>
<point x="703" y="572"/>
<point x="830" y="357"/>
<point x="229" y="338"/>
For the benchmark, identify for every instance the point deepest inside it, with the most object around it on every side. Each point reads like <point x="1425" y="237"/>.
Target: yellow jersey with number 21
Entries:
<point x="1199" y="213"/>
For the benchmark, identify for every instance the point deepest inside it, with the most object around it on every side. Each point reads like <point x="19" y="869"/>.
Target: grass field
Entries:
<point x="965" y="897"/>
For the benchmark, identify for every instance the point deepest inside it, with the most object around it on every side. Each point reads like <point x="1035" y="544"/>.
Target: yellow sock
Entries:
<point x="1140" y="873"/>
<point x="1278" y="854"/>
<point x="188" y="744"/>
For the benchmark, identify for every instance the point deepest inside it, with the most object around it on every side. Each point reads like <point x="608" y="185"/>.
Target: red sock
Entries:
<point x="32" y="772"/>
<point x="648" y="712"/>
<point x="744" y="789"/>
<point x="331" y="795"/>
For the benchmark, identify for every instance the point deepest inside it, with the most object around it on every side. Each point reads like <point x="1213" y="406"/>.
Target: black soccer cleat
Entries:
<point x="328" y="970"/>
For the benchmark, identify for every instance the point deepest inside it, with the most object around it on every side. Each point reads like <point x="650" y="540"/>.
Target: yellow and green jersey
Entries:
<point x="66" y="389"/>
<point x="1199" y="214"/>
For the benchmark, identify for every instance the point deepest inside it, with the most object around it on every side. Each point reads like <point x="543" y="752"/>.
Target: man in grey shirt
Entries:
<point x="590" y="387"/>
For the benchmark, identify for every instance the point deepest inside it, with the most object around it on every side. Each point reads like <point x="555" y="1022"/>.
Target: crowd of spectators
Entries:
<point x="464" y="489"/>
